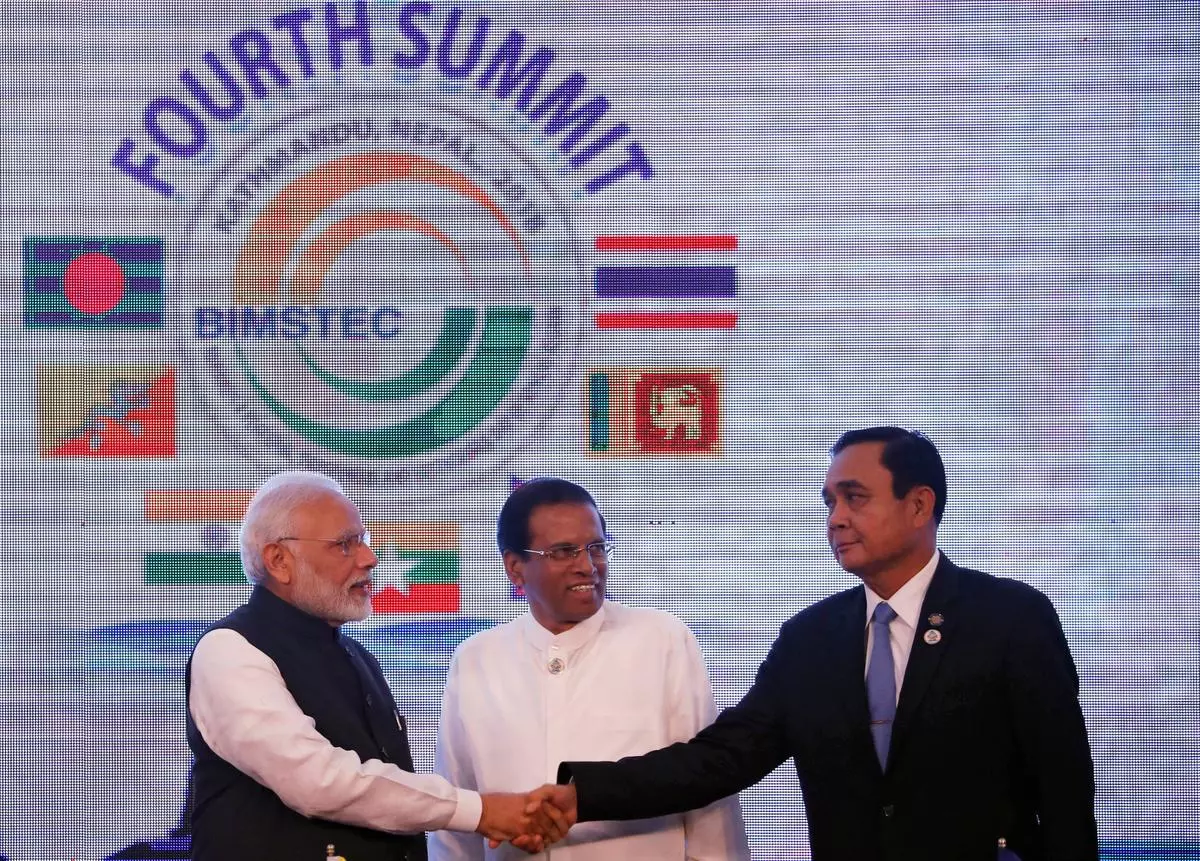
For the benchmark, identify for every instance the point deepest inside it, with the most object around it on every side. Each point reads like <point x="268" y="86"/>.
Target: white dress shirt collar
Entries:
<point x="569" y="640"/>
<point x="908" y="598"/>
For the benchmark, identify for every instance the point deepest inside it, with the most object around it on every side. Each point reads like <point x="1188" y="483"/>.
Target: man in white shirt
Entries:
<point x="297" y="740"/>
<point x="576" y="677"/>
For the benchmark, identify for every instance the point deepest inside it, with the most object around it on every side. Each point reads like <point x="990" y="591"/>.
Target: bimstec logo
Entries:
<point x="381" y="294"/>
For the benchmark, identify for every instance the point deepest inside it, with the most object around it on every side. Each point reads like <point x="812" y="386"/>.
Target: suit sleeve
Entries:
<point x="745" y="743"/>
<point x="715" y="832"/>
<point x="1051" y="734"/>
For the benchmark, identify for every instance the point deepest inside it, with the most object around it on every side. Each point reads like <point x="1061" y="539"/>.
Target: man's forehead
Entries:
<point x="844" y="484"/>
<point x="557" y="516"/>
<point x="328" y="505"/>
<point x="860" y="462"/>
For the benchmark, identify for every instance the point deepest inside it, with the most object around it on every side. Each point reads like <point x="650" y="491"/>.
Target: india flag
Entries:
<point x="202" y="527"/>
<point x="418" y="569"/>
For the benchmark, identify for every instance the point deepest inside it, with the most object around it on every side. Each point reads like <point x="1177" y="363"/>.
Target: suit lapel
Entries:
<point x="925" y="656"/>
<point x="849" y="648"/>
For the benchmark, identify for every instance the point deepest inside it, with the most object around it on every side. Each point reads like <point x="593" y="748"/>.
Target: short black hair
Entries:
<point x="909" y="456"/>
<point x="512" y="526"/>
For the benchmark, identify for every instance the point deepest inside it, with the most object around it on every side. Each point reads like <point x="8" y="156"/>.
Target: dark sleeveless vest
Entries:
<point x="339" y="684"/>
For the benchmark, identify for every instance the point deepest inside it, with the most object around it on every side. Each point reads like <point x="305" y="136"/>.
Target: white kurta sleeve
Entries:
<point x="246" y="714"/>
<point x="716" y="832"/>
<point x="453" y="762"/>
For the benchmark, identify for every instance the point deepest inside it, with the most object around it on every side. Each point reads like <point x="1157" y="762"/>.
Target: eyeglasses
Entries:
<point x="348" y="545"/>
<point x="598" y="550"/>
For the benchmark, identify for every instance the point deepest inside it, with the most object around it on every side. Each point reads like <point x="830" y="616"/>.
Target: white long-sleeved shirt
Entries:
<point x="246" y="714"/>
<point x="520" y="700"/>
<point x="902" y="631"/>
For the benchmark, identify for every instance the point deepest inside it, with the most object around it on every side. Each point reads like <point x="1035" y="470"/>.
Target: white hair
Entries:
<point x="269" y="515"/>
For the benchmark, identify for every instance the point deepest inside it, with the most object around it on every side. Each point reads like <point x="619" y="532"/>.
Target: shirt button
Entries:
<point x="888" y="810"/>
<point x="556" y="666"/>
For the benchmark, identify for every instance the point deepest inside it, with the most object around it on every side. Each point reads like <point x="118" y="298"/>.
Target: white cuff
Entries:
<point x="467" y="812"/>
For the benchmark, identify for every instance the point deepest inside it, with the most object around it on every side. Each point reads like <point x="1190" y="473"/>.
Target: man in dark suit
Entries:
<point x="932" y="713"/>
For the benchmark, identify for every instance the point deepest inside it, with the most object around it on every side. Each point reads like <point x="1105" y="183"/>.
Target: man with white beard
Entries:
<point x="297" y="739"/>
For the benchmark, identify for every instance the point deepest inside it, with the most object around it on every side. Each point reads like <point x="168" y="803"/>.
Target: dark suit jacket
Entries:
<point x="988" y="741"/>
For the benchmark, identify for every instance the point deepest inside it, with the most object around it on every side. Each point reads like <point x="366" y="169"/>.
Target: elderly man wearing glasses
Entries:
<point x="297" y="741"/>
<point x="576" y="677"/>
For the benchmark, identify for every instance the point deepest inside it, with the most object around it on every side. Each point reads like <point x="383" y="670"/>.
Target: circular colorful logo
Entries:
<point x="381" y="294"/>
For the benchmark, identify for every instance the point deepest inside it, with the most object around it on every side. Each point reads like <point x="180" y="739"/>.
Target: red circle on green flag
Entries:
<point x="94" y="283"/>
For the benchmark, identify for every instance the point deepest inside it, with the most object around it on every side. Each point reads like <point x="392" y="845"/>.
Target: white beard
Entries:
<point x="318" y="597"/>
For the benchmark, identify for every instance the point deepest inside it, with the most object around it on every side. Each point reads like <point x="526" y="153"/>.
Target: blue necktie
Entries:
<point x="881" y="682"/>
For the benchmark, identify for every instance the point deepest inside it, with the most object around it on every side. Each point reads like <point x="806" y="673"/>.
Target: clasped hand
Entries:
<point x="530" y="821"/>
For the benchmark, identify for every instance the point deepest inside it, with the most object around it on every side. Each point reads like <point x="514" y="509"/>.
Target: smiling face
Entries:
<point x="316" y="575"/>
<point x="561" y="594"/>
<point x="883" y="539"/>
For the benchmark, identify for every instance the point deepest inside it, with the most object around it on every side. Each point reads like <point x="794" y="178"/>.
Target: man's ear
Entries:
<point x="922" y="498"/>
<point x="514" y="567"/>
<point x="278" y="562"/>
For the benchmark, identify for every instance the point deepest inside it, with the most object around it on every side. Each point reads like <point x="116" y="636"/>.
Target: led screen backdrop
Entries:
<point x="668" y="252"/>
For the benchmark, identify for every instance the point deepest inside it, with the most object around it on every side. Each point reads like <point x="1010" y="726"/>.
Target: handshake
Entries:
<point x="530" y="821"/>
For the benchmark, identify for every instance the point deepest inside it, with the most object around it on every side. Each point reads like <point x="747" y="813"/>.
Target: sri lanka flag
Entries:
<point x="93" y="282"/>
<point x="654" y="411"/>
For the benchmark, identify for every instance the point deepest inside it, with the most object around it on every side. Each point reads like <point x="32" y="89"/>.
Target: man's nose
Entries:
<point x="367" y="556"/>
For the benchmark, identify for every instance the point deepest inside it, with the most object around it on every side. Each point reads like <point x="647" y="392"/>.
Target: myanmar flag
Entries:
<point x="418" y="567"/>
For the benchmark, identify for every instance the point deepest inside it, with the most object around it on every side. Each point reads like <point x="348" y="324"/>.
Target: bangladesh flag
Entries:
<point x="93" y="282"/>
